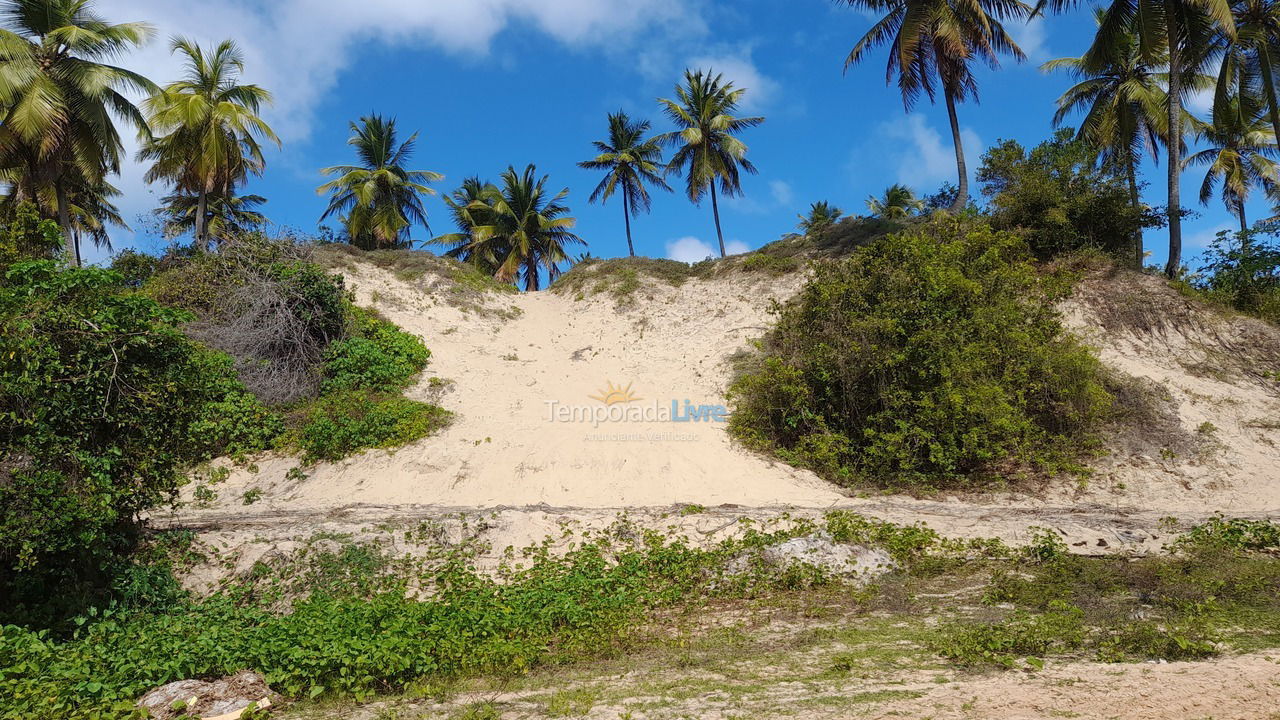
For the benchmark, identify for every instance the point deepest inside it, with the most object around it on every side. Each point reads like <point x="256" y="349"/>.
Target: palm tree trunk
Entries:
<point x="1244" y="228"/>
<point x="64" y="220"/>
<point x="1174" y="106"/>
<point x="202" y="209"/>
<point x="715" y="209"/>
<point x="1132" y="176"/>
<point x="1269" y="84"/>
<point x="962" y="193"/>
<point x="626" y="214"/>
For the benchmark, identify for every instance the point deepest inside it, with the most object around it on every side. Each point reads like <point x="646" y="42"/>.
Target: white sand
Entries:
<point x="503" y="450"/>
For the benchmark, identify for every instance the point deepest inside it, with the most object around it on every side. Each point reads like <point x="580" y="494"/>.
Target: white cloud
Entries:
<point x="298" y="49"/>
<point x="738" y="68"/>
<point x="690" y="249"/>
<point x="1194" y="243"/>
<point x="1031" y="37"/>
<point x="928" y="159"/>
<point x="781" y="191"/>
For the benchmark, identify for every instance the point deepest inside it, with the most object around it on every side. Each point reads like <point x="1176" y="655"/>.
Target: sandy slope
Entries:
<point x="507" y="358"/>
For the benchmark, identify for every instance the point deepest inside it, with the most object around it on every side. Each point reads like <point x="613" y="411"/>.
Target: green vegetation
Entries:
<point x="707" y="147"/>
<point x="940" y="51"/>
<point x="59" y="98"/>
<point x="339" y="424"/>
<point x="631" y="160"/>
<point x="205" y="140"/>
<point x="821" y="217"/>
<point x="106" y="401"/>
<point x="1185" y="606"/>
<point x="375" y="355"/>
<point x="335" y="621"/>
<point x="379" y="200"/>
<point x="1060" y="199"/>
<point x="1242" y="271"/>
<point x="898" y="202"/>
<point x="513" y="233"/>
<point x="353" y="631"/>
<point x="928" y="358"/>
<point x="1123" y="101"/>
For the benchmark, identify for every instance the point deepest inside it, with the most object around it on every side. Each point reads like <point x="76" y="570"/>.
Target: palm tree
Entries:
<point x="1240" y="152"/>
<point x="1182" y="32"/>
<point x="1256" y="43"/>
<point x="708" y="149"/>
<point x="525" y="231"/>
<point x="58" y="97"/>
<point x="209" y="128"/>
<point x="822" y="215"/>
<point x="934" y="42"/>
<point x="630" y="160"/>
<point x="378" y="200"/>
<point x="225" y="216"/>
<point x="92" y="211"/>
<point x="899" y="201"/>
<point x="1123" y="98"/>
<point x="470" y="209"/>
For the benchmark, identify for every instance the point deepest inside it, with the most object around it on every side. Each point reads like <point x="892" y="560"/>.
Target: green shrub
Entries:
<point x="25" y="236"/>
<point x="342" y="424"/>
<point x="100" y="393"/>
<point x="904" y="542"/>
<point x="1242" y="271"/>
<point x="135" y="268"/>
<point x="1059" y="197"/>
<point x="376" y="356"/>
<point x="1002" y="643"/>
<point x="1232" y="534"/>
<point x="236" y="423"/>
<point x="924" y="359"/>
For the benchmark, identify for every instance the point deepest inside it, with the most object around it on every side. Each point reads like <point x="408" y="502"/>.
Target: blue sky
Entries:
<point x="488" y="83"/>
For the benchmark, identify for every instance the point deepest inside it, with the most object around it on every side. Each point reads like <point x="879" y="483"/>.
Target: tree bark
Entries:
<point x="64" y="220"/>
<point x="626" y="215"/>
<point x="962" y="170"/>
<point x="1132" y="176"/>
<point x="1244" y="227"/>
<point x="715" y="209"/>
<point x="202" y="210"/>
<point x="1174" y="107"/>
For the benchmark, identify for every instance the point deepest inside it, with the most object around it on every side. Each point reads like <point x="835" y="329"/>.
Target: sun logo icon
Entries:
<point x="615" y="394"/>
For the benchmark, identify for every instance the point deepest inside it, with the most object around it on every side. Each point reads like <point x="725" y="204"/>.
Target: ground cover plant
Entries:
<point x="335" y="620"/>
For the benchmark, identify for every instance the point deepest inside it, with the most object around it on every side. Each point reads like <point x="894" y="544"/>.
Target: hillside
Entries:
<point x="1211" y="418"/>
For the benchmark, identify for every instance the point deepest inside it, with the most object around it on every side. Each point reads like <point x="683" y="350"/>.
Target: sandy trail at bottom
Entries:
<point x="1245" y="687"/>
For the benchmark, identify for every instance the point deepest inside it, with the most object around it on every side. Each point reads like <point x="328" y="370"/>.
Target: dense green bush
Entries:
<point x="1061" y="199"/>
<point x="1242" y="270"/>
<point x="99" y="395"/>
<point x="235" y="422"/>
<point x="135" y="268"/>
<point x="263" y="302"/>
<point x="924" y="358"/>
<point x="344" y="423"/>
<point x="25" y="236"/>
<point x="376" y="355"/>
